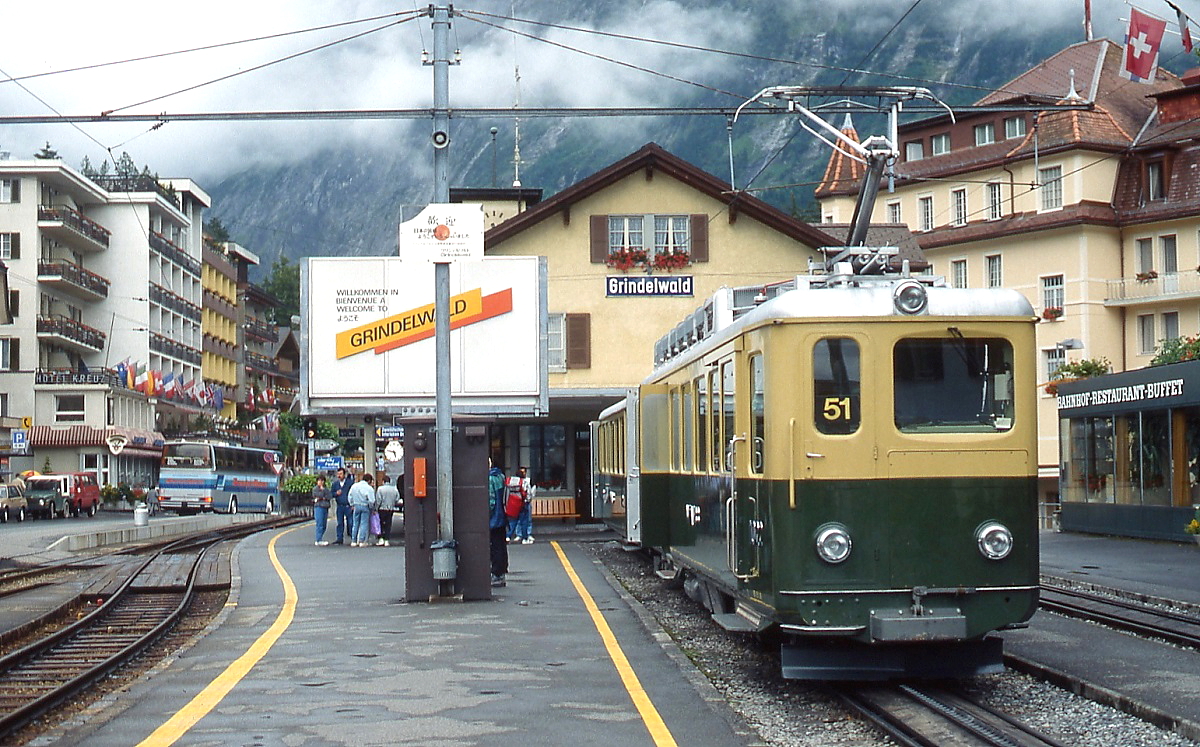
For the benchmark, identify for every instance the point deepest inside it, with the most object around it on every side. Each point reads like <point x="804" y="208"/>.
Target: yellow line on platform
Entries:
<point x="654" y="723"/>
<point x="210" y="696"/>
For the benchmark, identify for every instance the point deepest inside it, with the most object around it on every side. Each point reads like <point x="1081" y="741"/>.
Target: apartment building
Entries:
<point x="105" y="286"/>
<point x="1093" y="213"/>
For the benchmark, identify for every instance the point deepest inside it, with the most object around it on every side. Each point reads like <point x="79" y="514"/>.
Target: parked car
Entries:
<point x="12" y="502"/>
<point x="67" y="494"/>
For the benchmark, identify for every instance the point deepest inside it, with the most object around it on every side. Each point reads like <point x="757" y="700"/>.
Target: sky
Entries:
<point x="381" y="69"/>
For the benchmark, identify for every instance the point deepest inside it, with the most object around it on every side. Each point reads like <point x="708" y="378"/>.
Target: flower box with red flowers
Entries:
<point x="624" y="259"/>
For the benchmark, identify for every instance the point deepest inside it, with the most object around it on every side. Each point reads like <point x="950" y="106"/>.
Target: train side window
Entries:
<point x="676" y="439"/>
<point x="688" y="428"/>
<point x="701" y="423"/>
<point x="758" y="421"/>
<point x="728" y="410"/>
<point x="717" y="447"/>
<point x="837" y="383"/>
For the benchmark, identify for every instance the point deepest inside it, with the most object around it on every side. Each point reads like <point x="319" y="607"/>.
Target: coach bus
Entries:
<point x="207" y="476"/>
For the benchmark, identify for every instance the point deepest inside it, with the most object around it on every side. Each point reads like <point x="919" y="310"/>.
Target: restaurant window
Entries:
<point x="1088" y="454"/>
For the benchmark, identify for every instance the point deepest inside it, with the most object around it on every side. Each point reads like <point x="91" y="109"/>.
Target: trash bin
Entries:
<point x="445" y="559"/>
<point x="141" y="515"/>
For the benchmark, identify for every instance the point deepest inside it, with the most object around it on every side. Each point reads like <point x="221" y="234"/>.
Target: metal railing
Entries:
<point x="167" y="346"/>
<point x="168" y="249"/>
<point x="1152" y="286"/>
<point x="74" y="219"/>
<point x="72" y="330"/>
<point x="177" y="303"/>
<point x="76" y="275"/>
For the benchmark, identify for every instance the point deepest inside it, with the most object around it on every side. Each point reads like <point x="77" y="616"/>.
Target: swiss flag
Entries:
<point x="1142" y="41"/>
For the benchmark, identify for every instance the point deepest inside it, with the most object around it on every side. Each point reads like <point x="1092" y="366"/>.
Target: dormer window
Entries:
<point x="1156" y="187"/>
<point x="985" y="134"/>
<point x="940" y="144"/>
<point x="914" y="151"/>
<point x="1014" y="127"/>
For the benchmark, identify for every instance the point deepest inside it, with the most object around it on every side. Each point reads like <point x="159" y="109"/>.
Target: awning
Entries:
<point x="137" y="442"/>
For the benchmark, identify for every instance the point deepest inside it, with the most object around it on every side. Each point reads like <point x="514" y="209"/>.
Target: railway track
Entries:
<point x="124" y="620"/>
<point x="930" y="717"/>
<point x="1140" y="618"/>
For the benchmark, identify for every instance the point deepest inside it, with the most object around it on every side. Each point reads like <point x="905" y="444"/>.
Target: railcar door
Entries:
<point x="743" y="523"/>
<point x="838" y="438"/>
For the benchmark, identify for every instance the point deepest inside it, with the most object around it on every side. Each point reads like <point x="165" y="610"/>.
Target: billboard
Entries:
<point x="367" y="336"/>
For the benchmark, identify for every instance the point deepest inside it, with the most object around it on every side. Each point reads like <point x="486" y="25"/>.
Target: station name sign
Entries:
<point x="1121" y="395"/>
<point x="650" y="285"/>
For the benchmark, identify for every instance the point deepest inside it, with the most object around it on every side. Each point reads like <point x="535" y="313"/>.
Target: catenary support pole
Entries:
<point x="441" y="195"/>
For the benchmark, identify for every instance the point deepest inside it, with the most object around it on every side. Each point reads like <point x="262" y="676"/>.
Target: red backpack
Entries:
<point x="516" y="497"/>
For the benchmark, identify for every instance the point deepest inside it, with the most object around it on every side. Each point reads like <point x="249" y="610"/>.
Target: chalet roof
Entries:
<point x="842" y="173"/>
<point x="653" y="159"/>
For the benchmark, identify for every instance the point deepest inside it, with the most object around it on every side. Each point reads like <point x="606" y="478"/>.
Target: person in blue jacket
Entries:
<point x="340" y="490"/>
<point x="497" y="525"/>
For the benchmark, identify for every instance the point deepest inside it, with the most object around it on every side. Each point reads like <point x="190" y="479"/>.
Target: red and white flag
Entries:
<point x="1142" y="42"/>
<point x="1184" y="34"/>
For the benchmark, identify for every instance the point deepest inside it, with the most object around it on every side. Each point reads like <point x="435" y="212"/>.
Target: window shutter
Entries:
<point x="599" y="238"/>
<point x="579" y="340"/>
<point x="14" y="354"/>
<point x="16" y="190"/>
<point x="699" y="238"/>
<point x="15" y="248"/>
<point x="14" y="303"/>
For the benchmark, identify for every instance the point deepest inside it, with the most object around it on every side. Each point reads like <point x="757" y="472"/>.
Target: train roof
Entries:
<point x="845" y="295"/>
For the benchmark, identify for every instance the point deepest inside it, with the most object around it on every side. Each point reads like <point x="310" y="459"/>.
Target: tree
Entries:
<point x="216" y="230"/>
<point x="125" y="165"/>
<point x="284" y="284"/>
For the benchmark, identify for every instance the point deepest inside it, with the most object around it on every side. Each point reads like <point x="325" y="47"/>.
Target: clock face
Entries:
<point x="393" y="452"/>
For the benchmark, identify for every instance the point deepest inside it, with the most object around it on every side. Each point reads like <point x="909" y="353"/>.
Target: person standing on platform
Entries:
<point x="389" y="498"/>
<point x="497" y="525"/>
<point x="362" y="501"/>
<point x="321" y="503"/>
<point x="524" y="529"/>
<point x="340" y="491"/>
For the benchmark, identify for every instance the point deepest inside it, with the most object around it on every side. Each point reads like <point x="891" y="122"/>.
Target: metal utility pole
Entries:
<point x="441" y="314"/>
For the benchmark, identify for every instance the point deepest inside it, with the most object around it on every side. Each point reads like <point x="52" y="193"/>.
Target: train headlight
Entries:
<point x="910" y="297"/>
<point x="995" y="541"/>
<point x="833" y="543"/>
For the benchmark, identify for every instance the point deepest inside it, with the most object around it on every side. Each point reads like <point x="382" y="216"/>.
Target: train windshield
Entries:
<point x="953" y="385"/>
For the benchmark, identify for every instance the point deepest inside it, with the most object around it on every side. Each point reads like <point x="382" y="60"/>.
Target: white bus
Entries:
<point x="203" y="476"/>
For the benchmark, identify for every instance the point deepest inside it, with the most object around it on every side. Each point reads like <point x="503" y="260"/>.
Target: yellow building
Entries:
<point x="1092" y="213"/>
<point x="630" y="251"/>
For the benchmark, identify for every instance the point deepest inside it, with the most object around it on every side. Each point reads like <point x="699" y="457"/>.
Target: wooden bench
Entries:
<point x="553" y="508"/>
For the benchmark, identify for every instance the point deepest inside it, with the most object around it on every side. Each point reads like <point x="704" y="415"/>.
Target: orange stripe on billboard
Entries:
<point x="404" y="326"/>
<point x="491" y="305"/>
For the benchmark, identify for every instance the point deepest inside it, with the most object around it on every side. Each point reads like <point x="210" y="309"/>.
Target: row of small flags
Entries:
<point x="257" y="397"/>
<point x="1143" y="40"/>
<point x="139" y="378"/>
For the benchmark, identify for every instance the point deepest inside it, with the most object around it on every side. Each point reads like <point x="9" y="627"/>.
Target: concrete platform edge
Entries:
<point x="697" y="679"/>
<point x="1104" y="696"/>
<point x="89" y="540"/>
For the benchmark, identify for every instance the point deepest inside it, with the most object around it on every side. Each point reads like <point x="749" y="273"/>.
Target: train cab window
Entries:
<point x="758" y="421"/>
<point x="837" y="383"/>
<point x="701" y="423"/>
<point x="953" y="385"/>
<point x="716" y="445"/>
<point x="689" y="441"/>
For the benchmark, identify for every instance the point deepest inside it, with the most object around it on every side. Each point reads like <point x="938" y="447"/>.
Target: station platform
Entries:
<point x="315" y="647"/>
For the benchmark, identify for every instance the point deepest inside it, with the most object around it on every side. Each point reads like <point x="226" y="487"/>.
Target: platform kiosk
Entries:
<point x="425" y="556"/>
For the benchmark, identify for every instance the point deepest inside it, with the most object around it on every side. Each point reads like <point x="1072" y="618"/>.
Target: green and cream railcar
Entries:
<point x="852" y="463"/>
